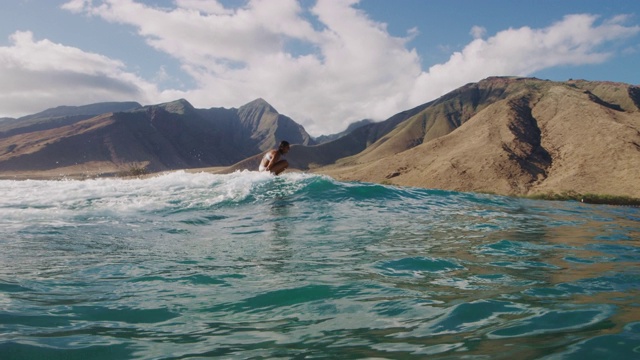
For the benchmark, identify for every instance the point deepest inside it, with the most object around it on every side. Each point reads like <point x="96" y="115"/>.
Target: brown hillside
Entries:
<point x="530" y="136"/>
<point x="517" y="136"/>
<point x="357" y="141"/>
<point x="314" y="157"/>
<point x="147" y="139"/>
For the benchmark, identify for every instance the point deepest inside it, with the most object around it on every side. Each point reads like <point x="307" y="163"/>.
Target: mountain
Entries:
<point x="328" y="138"/>
<point x="60" y="116"/>
<point x="91" y="109"/>
<point x="153" y="138"/>
<point x="515" y="136"/>
<point x="259" y="121"/>
<point x="504" y="135"/>
<point x="320" y="155"/>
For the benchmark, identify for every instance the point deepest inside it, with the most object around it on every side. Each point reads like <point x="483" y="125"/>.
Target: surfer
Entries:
<point x="272" y="162"/>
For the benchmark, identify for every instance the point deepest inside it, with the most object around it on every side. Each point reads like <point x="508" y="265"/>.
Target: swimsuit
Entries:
<point x="267" y="157"/>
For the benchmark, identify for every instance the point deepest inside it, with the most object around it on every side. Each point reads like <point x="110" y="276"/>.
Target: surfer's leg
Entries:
<point x="280" y="166"/>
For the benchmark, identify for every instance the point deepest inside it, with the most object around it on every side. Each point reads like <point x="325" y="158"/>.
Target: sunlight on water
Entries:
<point x="248" y="265"/>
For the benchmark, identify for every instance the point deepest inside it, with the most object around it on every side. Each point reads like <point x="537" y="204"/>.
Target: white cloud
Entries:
<point x="45" y="74"/>
<point x="323" y="66"/>
<point x="521" y="52"/>
<point x="478" y="32"/>
<point x="631" y="50"/>
<point x="237" y="56"/>
<point x="206" y="6"/>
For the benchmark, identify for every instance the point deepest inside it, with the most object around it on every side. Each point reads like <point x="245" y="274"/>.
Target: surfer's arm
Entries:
<point x="271" y="160"/>
<point x="274" y="159"/>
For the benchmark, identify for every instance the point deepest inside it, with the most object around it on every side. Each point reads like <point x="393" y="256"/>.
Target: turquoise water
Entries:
<point x="250" y="266"/>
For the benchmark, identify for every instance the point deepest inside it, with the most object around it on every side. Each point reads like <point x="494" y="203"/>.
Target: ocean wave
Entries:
<point x="254" y="265"/>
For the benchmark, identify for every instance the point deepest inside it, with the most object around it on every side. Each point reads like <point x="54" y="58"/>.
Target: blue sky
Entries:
<point x="324" y="63"/>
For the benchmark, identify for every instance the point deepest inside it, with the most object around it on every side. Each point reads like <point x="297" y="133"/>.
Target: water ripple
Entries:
<point x="248" y="265"/>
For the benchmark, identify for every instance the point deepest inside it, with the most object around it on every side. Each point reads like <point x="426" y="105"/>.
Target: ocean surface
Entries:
<point x="252" y="266"/>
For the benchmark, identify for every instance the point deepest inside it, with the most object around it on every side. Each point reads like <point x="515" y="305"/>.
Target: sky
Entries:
<point x="323" y="63"/>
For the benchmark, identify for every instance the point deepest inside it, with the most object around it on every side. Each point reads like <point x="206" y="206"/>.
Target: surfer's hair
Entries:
<point x="283" y="144"/>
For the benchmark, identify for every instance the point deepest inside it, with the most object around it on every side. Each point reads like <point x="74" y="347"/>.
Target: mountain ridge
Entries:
<point x="167" y="136"/>
<point x="532" y="137"/>
<point x="505" y="135"/>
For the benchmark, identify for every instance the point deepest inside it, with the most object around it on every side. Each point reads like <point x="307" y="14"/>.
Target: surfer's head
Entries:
<point x="284" y="147"/>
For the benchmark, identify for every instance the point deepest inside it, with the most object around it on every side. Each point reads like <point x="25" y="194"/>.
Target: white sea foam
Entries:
<point x="49" y="200"/>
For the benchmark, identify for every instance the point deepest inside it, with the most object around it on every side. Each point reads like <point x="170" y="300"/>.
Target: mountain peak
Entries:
<point x="180" y="106"/>
<point x="259" y="103"/>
